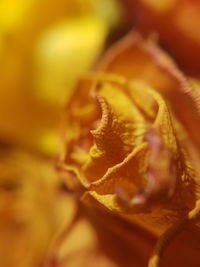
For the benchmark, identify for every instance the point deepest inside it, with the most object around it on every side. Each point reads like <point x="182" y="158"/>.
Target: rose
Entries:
<point x="128" y="146"/>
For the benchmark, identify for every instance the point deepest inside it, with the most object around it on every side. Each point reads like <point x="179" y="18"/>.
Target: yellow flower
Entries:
<point x="129" y="145"/>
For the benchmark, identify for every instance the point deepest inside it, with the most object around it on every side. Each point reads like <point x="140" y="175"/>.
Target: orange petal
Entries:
<point x="177" y="24"/>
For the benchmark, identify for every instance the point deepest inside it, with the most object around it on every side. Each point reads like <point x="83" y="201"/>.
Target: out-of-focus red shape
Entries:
<point x="177" y="23"/>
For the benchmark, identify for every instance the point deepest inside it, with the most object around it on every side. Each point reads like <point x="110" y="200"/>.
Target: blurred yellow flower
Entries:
<point x="44" y="46"/>
<point x="61" y="57"/>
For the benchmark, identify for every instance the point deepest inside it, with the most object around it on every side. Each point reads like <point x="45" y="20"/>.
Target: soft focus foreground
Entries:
<point x="32" y="207"/>
<point x="112" y="179"/>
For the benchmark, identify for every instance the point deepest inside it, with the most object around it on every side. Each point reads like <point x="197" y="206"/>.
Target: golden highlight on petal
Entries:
<point x="160" y="6"/>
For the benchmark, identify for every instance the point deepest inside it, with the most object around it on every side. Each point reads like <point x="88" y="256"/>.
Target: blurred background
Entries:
<point x="45" y="45"/>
